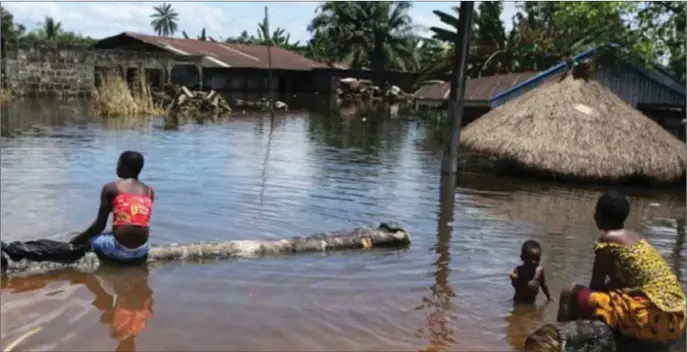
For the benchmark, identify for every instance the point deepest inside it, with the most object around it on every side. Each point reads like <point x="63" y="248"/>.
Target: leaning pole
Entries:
<point x="385" y="235"/>
<point x="449" y="162"/>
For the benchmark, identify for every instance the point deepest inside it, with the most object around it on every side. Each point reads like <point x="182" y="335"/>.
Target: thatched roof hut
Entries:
<point x="575" y="128"/>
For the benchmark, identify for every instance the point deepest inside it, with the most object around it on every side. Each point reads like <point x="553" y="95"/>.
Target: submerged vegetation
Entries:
<point x="115" y="98"/>
<point x="5" y="96"/>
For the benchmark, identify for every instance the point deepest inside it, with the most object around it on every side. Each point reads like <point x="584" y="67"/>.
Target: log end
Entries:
<point x="545" y="339"/>
<point x="396" y="230"/>
<point x="590" y="336"/>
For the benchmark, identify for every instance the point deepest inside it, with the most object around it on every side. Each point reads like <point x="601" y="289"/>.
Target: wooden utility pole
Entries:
<point x="269" y="61"/>
<point x="456" y="102"/>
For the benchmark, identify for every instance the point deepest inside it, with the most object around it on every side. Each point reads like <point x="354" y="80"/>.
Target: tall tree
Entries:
<point x="50" y="29"/>
<point x="10" y="30"/>
<point x="581" y="25"/>
<point x="365" y="32"/>
<point x="165" y="20"/>
<point x="318" y="48"/>
<point x="443" y="64"/>
<point x="278" y="37"/>
<point x="663" y="23"/>
<point x="538" y="15"/>
<point x="244" y="38"/>
<point x="491" y="38"/>
<point x="548" y="32"/>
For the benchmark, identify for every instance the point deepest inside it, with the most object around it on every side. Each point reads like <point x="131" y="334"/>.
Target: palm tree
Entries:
<point x="10" y="30"/>
<point x="367" y="32"/>
<point x="165" y="20"/>
<point x="50" y="29"/>
<point x="442" y="64"/>
<point x="279" y="38"/>
<point x="202" y="36"/>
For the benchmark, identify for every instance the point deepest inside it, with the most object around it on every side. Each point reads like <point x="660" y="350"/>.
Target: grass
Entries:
<point x="114" y="98"/>
<point x="5" y="96"/>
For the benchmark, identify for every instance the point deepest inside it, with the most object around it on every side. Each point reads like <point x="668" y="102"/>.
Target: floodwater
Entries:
<point x="304" y="173"/>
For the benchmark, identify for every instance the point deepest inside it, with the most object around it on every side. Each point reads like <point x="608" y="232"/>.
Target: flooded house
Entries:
<point x="653" y="91"/>
<point x="478" y="93"/>
<point x="234" y="67"/>
<point x="573" y="127"/>
<point x="223" y="66"/>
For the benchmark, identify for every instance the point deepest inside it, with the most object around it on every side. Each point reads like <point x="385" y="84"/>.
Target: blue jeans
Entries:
<point x="105" y="245"/>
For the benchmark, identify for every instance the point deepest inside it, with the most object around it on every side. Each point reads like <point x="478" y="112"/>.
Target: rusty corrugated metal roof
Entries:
<point x="480" y="89"/>
<point x="222" y="54"/>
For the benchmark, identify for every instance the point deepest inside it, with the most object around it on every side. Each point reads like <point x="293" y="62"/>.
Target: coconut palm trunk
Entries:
<point x="378" y="58"/>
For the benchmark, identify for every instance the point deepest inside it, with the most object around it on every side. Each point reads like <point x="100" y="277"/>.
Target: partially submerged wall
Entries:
<point x="38" y="69"/>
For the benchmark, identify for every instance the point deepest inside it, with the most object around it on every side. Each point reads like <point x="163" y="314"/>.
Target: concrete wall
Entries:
<point x="47" y="69"/>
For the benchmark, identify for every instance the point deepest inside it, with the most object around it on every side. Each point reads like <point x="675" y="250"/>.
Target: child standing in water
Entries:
<point x="529" y="277"/>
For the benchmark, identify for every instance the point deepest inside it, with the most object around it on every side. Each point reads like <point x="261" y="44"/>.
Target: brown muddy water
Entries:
<point x="237" y="180"/>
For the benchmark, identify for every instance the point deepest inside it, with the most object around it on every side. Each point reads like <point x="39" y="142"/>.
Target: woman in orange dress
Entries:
<point x="643" y="298"/>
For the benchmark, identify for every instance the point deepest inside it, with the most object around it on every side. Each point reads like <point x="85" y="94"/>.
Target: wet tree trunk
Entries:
<point x="589" y="336"/>
<point x="384" y="235"/>
<point x="378" y="59"/>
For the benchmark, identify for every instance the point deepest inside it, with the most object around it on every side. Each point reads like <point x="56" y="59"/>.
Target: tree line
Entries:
<point x="49" y="30"/>
<point x="382" y="36"/>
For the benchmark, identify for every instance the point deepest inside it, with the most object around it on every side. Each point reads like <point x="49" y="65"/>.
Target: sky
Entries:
<point x="220" y="19"/>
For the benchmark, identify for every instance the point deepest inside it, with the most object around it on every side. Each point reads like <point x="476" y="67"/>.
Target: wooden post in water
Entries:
<point x="456" y="102"/>
<point x="269" y="62"/>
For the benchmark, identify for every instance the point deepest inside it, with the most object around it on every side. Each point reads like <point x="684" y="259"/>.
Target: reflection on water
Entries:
<point x="522" y="320"/>
<point x="442" y="311"/>
<point x="299" y="173"/>
<point x="121" y="295"/>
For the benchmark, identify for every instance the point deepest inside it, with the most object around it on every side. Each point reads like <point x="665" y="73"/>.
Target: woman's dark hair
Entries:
<point x="612" y="209"/>
<point x="132" y="162"/>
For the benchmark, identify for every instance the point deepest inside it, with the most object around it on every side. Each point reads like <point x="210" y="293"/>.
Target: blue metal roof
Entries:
<point x="674" y="85"/>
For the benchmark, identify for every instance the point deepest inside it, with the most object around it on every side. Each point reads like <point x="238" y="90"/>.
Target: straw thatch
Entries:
<point x="574" y="128"/>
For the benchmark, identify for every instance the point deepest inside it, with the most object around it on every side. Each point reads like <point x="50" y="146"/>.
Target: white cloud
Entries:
<point x="210" y="17"/>
<point x="74" y="16"/>
<point x="34" y="12"/>
<point x="126" y="13"/>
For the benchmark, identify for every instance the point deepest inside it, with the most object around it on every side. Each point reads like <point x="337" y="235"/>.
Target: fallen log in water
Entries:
<point x="384" y="235"/>
<point x="260" y="104"/>
<point x="590" y="336"/>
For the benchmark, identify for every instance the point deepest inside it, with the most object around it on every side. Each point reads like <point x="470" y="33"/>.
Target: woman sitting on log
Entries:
<point x="131" y="203"/>
<point x="643" y="299"/>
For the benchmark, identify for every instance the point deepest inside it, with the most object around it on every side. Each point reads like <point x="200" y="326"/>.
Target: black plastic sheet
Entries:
<point x="42" y="250"/>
